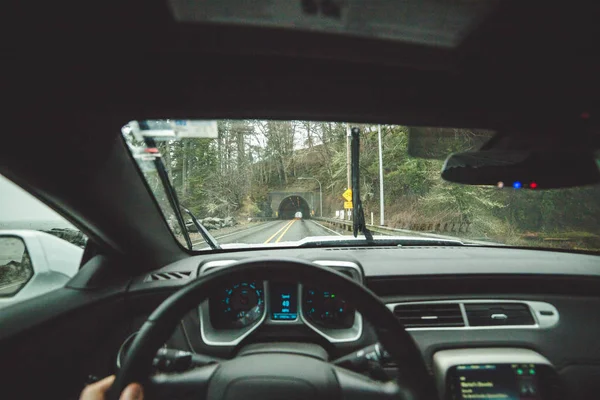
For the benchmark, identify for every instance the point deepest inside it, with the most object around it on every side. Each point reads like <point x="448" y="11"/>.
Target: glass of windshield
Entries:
<point x="265" y="183"/>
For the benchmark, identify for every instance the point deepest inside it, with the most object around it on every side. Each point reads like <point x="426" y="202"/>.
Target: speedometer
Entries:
<point x="237" y="305"/>
<point x="326" y="309"/>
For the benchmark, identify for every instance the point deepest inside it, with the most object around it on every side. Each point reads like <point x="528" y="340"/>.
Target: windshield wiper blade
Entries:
<point x="358" y="215"/>
<point x="212" y="242"/>
<point x="169" y="190"/>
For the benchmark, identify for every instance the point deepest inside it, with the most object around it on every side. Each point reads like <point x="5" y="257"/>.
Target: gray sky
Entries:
<point x="16" y="205"/>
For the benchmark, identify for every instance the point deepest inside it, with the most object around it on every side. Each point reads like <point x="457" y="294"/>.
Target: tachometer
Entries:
<point x="326" y="309"/>
<point x="237" y="305"/>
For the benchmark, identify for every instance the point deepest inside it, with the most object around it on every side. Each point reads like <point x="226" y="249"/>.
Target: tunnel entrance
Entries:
<point x="291" y="205"/>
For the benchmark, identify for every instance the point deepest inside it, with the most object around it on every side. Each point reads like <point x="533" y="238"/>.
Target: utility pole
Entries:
<point x="380" y="177"/>
<point x="348" y="156"/>
<point x="348" y="160"/>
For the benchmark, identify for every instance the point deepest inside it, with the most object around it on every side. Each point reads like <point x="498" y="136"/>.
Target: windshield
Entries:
<point x="270" y="183"/>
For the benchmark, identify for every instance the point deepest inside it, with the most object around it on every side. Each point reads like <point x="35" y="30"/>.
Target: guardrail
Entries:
<point x="458" y="227"/>
<point x="385" y="230"/>
<point x="455" y="225"/>
<point x="347" y="225"/>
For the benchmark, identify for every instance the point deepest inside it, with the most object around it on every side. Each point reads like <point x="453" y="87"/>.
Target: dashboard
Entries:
<point x="480" y="314"/>
<point x="239" y="308"/>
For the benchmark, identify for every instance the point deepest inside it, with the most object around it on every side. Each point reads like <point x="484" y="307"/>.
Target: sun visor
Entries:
<point x="432" y="23"/>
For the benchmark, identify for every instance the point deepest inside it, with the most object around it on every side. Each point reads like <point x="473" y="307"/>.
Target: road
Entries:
<point x="276" y="232"/>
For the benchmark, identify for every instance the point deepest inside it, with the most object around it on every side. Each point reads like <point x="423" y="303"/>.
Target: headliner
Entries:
<point x="520" y="65"/>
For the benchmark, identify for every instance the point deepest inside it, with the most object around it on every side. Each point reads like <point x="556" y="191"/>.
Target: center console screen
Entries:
<point x="494" y="381"/>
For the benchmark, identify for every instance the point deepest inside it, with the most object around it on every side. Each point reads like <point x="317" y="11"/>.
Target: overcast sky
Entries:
<point x="18" y="205"/>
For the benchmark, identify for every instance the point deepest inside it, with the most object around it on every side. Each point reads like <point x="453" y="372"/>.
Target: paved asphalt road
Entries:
<point x="276" y="232"/>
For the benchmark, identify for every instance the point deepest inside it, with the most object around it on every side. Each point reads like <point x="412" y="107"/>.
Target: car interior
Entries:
<point x="420" y="322"/>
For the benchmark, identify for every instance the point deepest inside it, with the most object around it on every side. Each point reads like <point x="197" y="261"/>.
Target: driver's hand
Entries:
<point x="97" y="391"/>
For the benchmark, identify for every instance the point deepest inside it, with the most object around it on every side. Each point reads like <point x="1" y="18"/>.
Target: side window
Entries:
<point x="39" y="250"/>
<point x="15" y="265"/>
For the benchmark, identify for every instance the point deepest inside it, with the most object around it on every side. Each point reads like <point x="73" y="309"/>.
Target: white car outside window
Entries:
<point x="35" y="258"/>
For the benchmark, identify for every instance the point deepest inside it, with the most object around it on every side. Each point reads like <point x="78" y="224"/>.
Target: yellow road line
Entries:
<point x="277" y="233"/>
<point x="286" y="229"/>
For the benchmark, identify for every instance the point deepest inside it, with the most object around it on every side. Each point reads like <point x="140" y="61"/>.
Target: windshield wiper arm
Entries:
<point x="169" y="190"/>
<point x="358" y="215"/>
<point x="212" y="242"/>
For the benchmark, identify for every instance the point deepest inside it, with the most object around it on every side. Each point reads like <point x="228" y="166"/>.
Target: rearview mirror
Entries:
<point x="15" y="265"/>
<point x="522" y="169"/>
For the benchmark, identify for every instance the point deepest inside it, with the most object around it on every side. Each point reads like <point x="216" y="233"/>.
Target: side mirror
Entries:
<point x="33" y="263"/>
<point x="15" y="265"/>
<point x="522" y="169"/>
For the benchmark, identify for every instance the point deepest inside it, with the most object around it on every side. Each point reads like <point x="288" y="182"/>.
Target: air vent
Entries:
<point x="429" y="315"/>
<point x="166" y="276"/>
<point x="494" y="314"/>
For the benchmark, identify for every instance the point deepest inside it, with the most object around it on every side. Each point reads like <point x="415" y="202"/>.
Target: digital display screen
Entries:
<point x="284" y="301"/>
<point x="495" y="381"/>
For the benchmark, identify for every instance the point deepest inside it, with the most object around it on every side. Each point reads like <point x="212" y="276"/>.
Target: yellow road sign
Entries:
<point x="348" y="204"/>
<point x="347" y="195"/>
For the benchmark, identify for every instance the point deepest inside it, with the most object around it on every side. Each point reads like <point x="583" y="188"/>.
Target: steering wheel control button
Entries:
<point x="168" y="360"/>
<point x="362" y="359"/>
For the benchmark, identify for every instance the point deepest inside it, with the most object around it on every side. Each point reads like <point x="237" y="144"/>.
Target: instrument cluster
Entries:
<point x="240" y="307"/>
<point x="241" y="304"/>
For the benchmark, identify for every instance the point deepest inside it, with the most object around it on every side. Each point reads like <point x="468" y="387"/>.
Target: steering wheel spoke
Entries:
<point x="192" y="385"/>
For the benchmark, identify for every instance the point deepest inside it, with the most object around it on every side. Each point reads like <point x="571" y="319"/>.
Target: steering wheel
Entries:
<point x="266" y="376"/>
